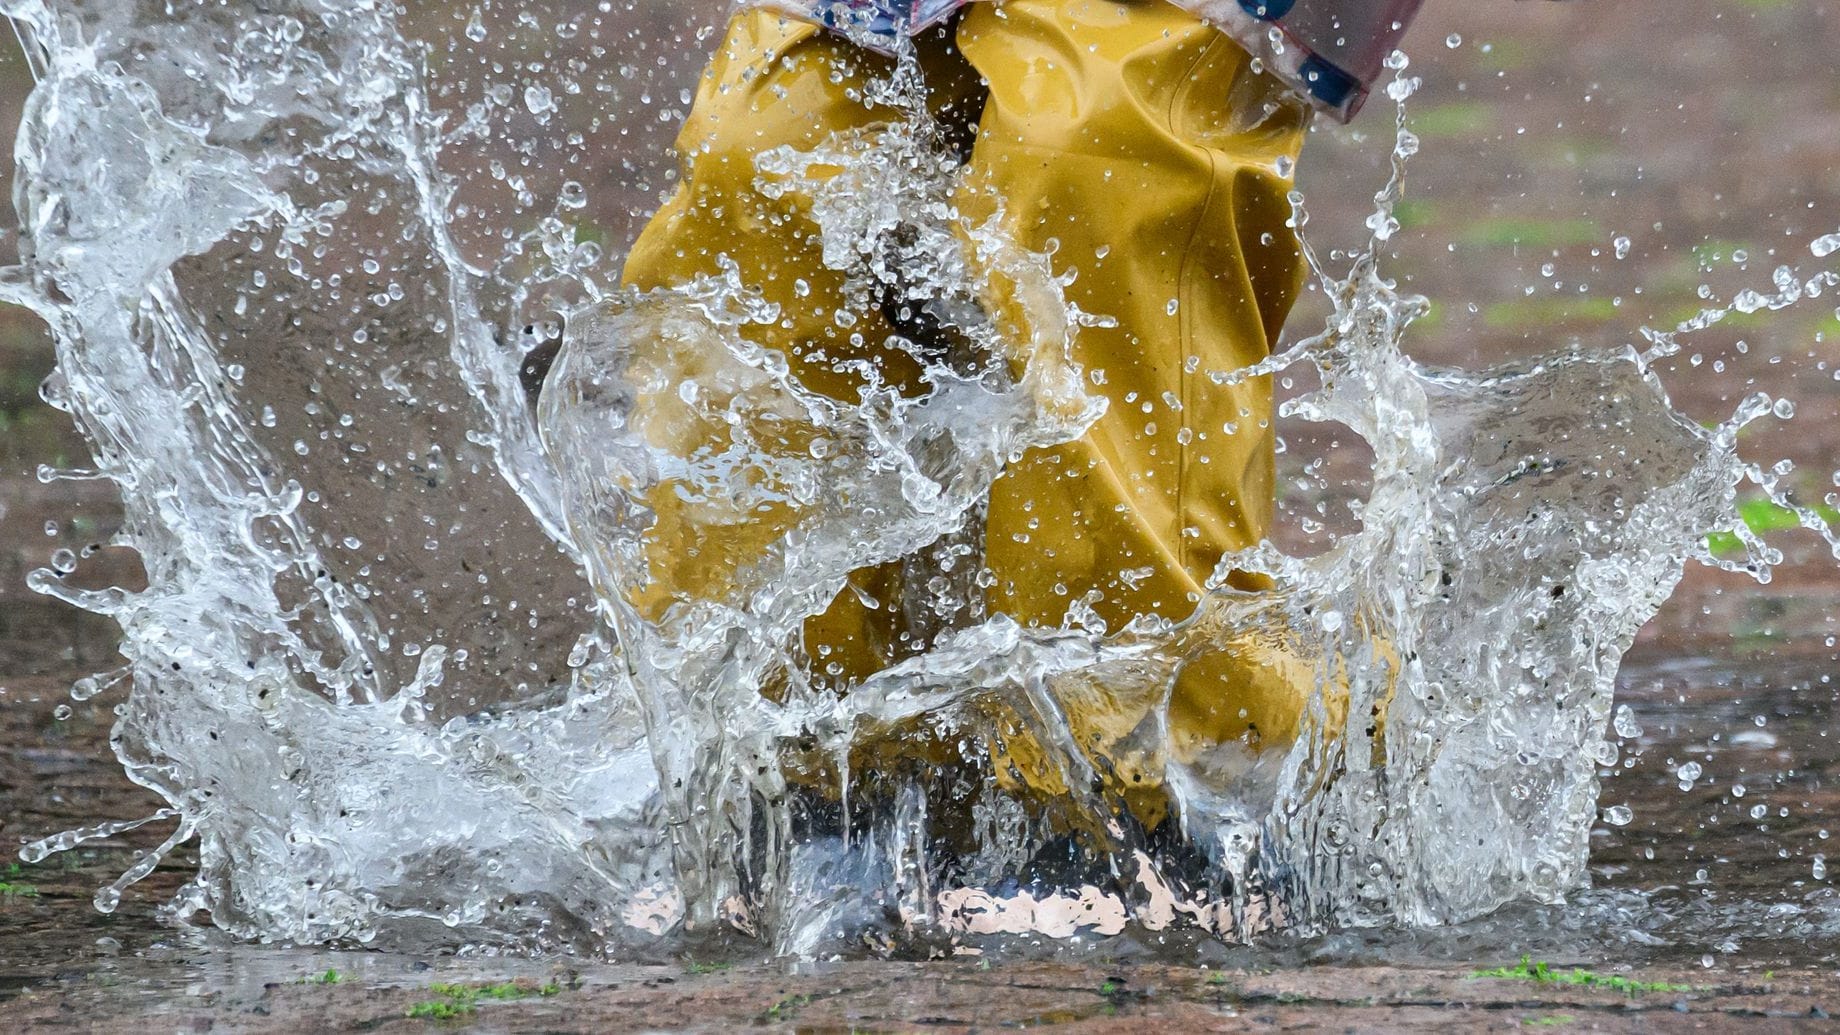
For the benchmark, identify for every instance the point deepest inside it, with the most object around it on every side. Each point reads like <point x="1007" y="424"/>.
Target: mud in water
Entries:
<point x="121" y="972"/>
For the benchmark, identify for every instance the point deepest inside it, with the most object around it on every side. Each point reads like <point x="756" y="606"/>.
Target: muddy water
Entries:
<point x="1692" y="880"/>
<point x="1767" y="929"/>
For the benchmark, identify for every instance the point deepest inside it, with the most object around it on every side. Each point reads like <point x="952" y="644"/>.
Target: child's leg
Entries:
<point x="1142" y="143"/>
<point x="777" y="82"/>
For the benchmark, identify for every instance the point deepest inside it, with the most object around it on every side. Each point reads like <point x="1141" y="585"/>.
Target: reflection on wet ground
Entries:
<point x="1717" y="884"/>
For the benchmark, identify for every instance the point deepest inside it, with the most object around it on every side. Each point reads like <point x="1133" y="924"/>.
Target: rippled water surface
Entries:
<point x="1691" y="880"/>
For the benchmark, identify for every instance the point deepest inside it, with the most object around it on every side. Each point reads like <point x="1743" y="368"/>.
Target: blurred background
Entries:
<point x="1702" y="132"/>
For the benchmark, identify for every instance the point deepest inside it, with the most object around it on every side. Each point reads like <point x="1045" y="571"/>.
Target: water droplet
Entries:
<point x="1621" y="244"/>
<point x="1625" y="723"/>
<point x="62" y="712"/>
<point x="476" y="26"/>
<point x="1619" y="815"/>
<point x="1454" y="40"/>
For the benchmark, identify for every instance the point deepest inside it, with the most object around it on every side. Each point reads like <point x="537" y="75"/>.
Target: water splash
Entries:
<point x="369" y="677"/>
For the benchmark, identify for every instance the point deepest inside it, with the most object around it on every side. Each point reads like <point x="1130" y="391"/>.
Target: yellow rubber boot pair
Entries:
<point x="1142" y="148"/>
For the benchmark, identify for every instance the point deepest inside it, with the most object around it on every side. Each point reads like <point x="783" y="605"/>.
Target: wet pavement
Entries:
<point x="1702" y="130"/>
<point x="232" y="992"/>
<point x="1694" y="893"/>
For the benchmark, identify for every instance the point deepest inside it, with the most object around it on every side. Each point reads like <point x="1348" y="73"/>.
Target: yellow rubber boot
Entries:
<point x="773" y="82"/>
<point x="1140" y="146"/>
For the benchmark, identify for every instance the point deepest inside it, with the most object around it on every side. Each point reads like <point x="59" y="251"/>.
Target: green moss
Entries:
<point x="1503" y="55"/>
<point x="504" y="990"/>
<point x="1762" y="517"/>
<point x="787" y="1006"/>
<point x="436" y="1010"/>
<point x="1415" y="213"/>
<point x="1514" y="231"/>
<point x="1550" y="311"/>
<point x="1461" y="118"/>
<point x="1577" y="150"/>
<point x="1542" y="974"/>
<point x="455" y="1000"/>
<point x="1827" y="328"/>
<point x="14" y="888"/>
